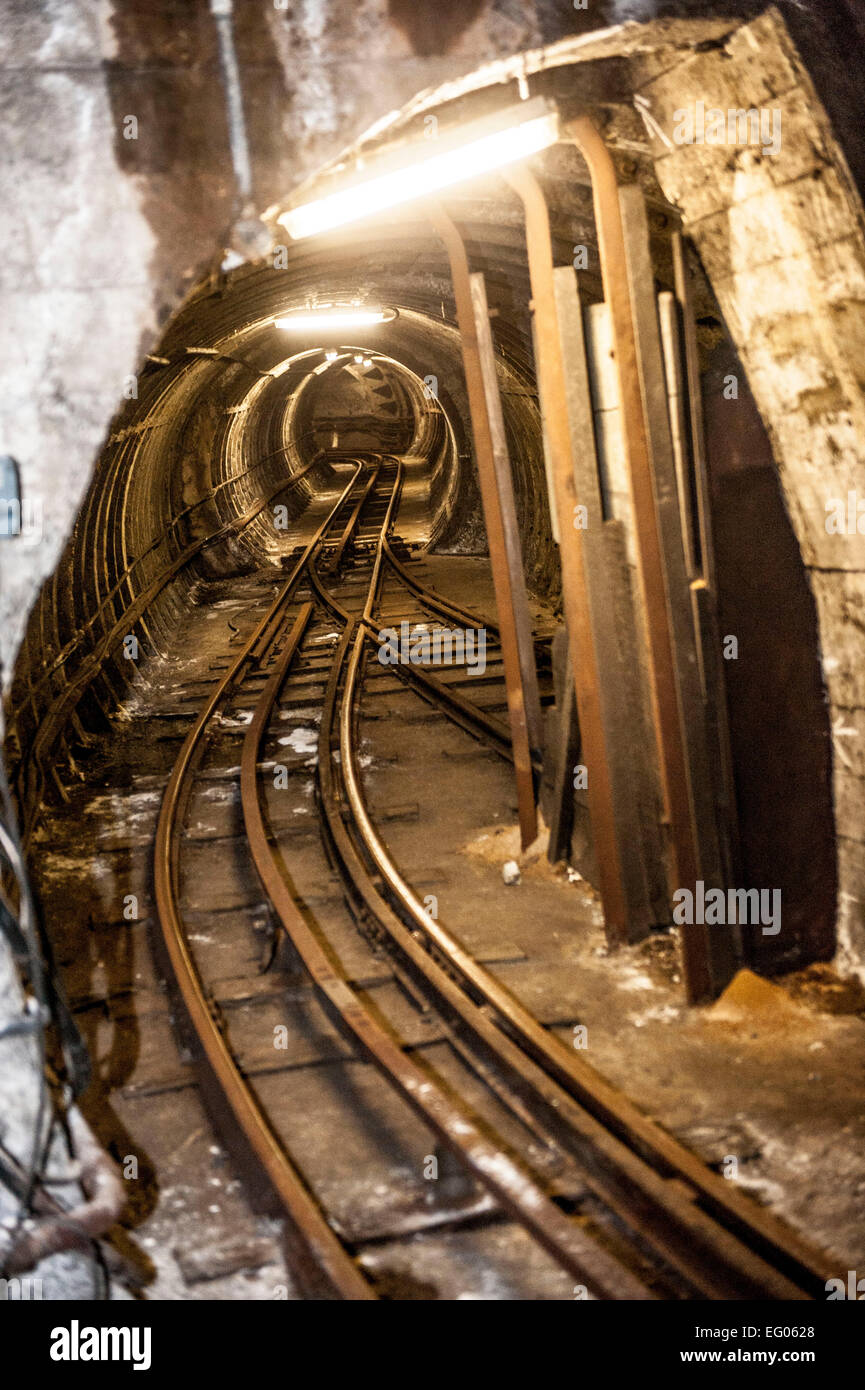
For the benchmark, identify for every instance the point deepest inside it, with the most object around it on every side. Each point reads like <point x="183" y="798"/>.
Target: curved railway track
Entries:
<point x="664" y="1225"/>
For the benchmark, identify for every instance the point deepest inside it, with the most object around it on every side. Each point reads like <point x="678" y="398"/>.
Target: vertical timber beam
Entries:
<point x="706" y="962"/>
<point x="505" y="558"/>
<point x="575" y="591"/>
<point x="507" y="507"/>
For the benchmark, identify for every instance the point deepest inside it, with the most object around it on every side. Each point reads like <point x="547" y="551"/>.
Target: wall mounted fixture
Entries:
<point x="425" y="167"/>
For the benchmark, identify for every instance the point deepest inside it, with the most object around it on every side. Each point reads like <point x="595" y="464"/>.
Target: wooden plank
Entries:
<point x="640" y="774"/>
<point x="507" y="507"/>
<point x="545" y="440"/>
<point x="617" y="694"/>
<point x="620" y="534"/>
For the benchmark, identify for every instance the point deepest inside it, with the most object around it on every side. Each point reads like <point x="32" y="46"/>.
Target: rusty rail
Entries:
<point x="722" y="1244"/>
<point x="452" y="1123"/>
<point x="225" y="1086"/>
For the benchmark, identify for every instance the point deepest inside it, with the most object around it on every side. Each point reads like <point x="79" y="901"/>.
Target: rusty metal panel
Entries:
<point x="562" y="752"/>
<point x="705" y="598"/>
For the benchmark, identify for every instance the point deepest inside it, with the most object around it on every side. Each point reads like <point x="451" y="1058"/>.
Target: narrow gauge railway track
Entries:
<point x="687" y="1233"/>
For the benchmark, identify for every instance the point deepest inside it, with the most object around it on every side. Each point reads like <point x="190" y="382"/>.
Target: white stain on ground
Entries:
<point x="637" y="981"/>
<point x="302" y="741"/>
<point x="665" y="1013"/>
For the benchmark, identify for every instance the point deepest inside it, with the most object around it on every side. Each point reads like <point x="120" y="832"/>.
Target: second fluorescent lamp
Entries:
<point x="424" y="169"/>
<point x="328" y="318"/>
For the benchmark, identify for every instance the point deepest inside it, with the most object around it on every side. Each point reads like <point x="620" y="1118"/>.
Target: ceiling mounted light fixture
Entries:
<point x="334" y="316"/>
<point x="423" y="169"/>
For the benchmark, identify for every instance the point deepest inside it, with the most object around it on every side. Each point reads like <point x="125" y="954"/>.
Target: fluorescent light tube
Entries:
<point x="478" y="148"/>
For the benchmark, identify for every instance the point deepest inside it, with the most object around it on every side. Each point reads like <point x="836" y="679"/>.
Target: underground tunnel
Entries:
<point x="432" y="819"/>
